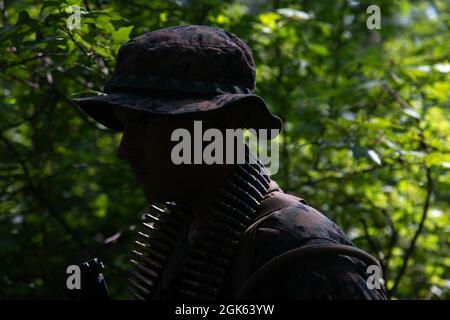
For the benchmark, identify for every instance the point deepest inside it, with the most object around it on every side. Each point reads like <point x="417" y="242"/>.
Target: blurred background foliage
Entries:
<point x="366" y="137"/>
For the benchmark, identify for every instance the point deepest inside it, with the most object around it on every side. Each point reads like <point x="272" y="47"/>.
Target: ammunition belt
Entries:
<point x="209" y="258"/>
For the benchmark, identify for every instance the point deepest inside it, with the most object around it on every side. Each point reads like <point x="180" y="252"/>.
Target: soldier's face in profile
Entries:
<point x="146" y="145"/>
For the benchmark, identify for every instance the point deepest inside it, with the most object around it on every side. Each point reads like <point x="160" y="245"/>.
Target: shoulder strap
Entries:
<point x="301" y="253"/>
<point x="282" y="200"/>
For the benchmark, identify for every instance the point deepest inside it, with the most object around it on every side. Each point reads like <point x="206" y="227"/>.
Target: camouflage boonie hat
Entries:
<point x="180" y="70"/>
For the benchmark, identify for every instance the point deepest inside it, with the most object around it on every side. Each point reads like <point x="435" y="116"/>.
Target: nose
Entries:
<point x="128" y="147"/>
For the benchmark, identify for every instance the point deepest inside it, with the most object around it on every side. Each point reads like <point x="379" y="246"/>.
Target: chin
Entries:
<point x="154" y="197"/>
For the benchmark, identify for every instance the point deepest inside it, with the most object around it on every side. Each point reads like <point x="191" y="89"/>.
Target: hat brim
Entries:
<point x="100" y="108"/>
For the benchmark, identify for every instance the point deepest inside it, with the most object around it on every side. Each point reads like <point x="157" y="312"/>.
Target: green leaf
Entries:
<point x="374" y="157"/>
<point x="295" y="14"/>
<point x="319" y="49"/>
<point x="122" y="34"/>
<point x="412" y="113"/>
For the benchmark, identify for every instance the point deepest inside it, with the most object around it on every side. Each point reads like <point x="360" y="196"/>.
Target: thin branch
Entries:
<point x="86" y="5"/>
<point x="54" y="212"/>
<point x="396" y="96"/>
<point x="25" y="82"/>
<point x="77" y="109"/>
<point x="429" y="190"/>
<point x="36" y="113"/>
<point x="22" y="62"/>
<point x="393" y="232"/>
<point x="410" y="250"/>
<point x="375" y="247"/>
<point x="4" y="13"/>
<point x="80" y="47"/>
<point x="40" y="196"/>
<point x="344" y="176"/>
<point x="393" y="238"/>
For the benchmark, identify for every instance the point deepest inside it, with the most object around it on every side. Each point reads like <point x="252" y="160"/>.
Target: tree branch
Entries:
<point x="410" y="250"/>
<point x="40" y="196"/>
<point x="375" y="247"/>
<point x="4" y="13"/>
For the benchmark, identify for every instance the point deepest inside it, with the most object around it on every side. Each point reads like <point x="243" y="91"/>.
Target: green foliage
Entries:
<point x="366" y="137"/>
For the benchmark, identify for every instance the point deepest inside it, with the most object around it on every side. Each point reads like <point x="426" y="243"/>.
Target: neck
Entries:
<point x="248" y="181"/>
<point x="210" y="182"/>
<point x="215" y="179"/>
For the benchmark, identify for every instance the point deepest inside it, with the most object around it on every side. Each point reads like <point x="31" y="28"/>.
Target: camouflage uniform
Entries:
<point x="263" y="242"/>
<point x="297" y="225"/>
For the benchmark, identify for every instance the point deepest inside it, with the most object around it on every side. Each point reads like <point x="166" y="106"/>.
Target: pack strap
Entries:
<point x="297" y="254"/>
